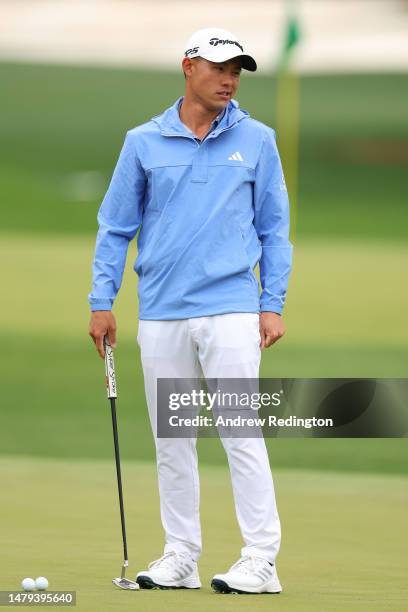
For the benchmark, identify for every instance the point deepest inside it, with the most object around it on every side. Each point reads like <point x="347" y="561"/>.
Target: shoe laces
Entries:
<point x="167" y="560"/>
<point x="248" y="564"/>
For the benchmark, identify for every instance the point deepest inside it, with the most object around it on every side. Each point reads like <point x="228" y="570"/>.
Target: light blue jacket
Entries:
<point x="208" y="212"/>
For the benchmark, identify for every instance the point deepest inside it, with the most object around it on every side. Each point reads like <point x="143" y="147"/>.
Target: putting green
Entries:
<point x="344" y="545"/>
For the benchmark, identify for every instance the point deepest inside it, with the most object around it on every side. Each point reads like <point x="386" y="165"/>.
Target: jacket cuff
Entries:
<point x="100" y="304"/>
<point x="277" y="308"/>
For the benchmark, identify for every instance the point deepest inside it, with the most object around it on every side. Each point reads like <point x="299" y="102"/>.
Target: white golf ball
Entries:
<point x="28" y="584"/>
<point x="41" y="583"/>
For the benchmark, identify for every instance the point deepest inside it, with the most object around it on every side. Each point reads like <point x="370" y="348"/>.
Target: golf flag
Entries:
<point x="287" y="110"/>
<point x="291" y="39"/>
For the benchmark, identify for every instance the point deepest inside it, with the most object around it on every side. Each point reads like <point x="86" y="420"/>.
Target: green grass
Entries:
<point x="57" y="121"/>
<point x="342" y="501"/>
<point x="345" y="294"/>
<point x="54" y="403"/>
<point x="343" y="547"/>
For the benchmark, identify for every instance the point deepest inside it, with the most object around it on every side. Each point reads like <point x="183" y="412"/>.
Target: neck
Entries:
<point x="195" y="116"/>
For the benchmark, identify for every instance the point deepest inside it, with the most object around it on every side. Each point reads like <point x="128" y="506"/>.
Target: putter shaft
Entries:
<point x="121" y="582"/>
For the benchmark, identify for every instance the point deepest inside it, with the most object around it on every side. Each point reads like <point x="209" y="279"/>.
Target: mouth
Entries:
<point x="225" y="95"/>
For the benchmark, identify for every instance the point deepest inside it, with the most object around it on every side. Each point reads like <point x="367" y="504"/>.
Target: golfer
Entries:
<point x="203" y="183"/>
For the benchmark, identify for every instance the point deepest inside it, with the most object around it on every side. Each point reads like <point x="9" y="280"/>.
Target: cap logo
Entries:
<point x="191" y="51"/>
<point x="219" y="41"/>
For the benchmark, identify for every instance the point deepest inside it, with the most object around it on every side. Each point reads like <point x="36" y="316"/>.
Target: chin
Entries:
<point x="221" y="104"/>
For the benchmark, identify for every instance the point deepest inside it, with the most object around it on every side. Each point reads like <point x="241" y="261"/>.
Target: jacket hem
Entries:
<point x="176" y="316"/>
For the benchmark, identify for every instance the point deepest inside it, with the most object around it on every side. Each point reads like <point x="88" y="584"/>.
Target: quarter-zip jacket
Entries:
<point x="208" y="212"/>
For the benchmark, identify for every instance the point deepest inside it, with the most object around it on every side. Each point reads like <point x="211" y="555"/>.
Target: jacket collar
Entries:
<point x="170" y="123"/>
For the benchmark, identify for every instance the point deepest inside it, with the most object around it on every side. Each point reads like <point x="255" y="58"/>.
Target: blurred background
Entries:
<point x="75" y="76"/>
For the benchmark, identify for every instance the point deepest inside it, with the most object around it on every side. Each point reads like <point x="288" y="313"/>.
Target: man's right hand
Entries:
<point x="102" y="324"/>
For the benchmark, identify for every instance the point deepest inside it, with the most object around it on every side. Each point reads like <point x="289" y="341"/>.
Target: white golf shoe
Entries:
<point x="172" y="571"/>
<point x="248" y="575"/>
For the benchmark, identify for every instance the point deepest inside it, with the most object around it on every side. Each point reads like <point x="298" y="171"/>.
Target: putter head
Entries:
<point x="124" y="583"/>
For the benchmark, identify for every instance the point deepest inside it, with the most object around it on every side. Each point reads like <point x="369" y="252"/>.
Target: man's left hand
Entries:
<point x="271" y="328"/>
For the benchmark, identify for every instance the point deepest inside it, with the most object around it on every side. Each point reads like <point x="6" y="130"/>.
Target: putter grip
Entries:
<point x="109" y="370"/>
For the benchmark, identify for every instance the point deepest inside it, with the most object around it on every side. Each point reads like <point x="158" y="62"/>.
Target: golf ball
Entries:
<point x="41" y="583"/>
<point x="28" y="584"/>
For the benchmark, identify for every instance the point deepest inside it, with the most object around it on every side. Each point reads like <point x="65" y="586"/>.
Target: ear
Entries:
<point x="187" y="66"/>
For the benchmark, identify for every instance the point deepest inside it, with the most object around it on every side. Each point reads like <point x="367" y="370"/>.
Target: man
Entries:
<point x="204" y="183"/>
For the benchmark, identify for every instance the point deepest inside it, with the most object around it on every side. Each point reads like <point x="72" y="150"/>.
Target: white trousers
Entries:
<point x="219" y="346"/>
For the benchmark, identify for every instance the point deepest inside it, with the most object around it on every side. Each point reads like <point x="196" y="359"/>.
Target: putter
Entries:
<point x="122" y="582"/>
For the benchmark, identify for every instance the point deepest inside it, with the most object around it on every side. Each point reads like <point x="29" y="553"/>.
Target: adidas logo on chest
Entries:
<point x="236" y="156"/>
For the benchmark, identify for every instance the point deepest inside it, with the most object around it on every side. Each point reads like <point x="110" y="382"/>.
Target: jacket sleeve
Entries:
<point x="119" y="218"/>
<point x="271" y="221"/>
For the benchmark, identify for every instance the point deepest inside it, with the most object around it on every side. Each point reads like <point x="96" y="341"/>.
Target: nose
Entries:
<point x="228" y="81"/>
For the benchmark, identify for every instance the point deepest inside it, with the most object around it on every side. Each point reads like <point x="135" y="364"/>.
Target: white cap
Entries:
<point x="218" y="45"/>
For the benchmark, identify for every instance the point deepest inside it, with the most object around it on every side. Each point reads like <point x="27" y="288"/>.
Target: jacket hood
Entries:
<point x="169" y="121"/>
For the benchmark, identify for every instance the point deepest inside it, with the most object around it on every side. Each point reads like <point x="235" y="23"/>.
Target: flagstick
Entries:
<point x="287" y="128"/>
<point x="287" y="111"/>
